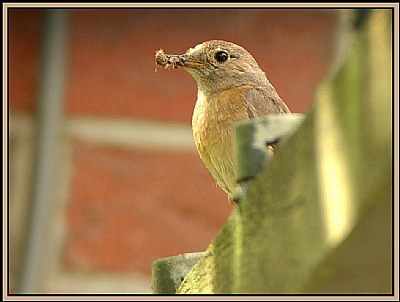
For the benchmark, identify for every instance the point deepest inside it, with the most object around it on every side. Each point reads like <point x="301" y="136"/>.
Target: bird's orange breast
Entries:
<point x="212" y="123"/>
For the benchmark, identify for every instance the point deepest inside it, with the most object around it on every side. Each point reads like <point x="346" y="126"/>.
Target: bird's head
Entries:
<point x="217" y="65"/>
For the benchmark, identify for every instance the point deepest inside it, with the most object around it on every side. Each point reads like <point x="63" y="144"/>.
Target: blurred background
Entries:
<point x="104" y="177"/>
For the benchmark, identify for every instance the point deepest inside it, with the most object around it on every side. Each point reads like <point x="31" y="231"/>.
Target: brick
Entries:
<point x="129" y="208"/>
<point x="112" y="56"/>
<point x="24" y="50"/>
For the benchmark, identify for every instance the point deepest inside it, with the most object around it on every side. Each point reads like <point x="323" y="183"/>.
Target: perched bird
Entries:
<point x="231" y="88"/>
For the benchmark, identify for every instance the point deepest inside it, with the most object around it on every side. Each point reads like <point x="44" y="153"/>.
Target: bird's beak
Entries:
<point x="176" y="61"/>
<point x="190" y="62"/>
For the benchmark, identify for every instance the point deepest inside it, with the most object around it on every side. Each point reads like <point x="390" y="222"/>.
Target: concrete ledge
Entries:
<point x="168" y="273"/>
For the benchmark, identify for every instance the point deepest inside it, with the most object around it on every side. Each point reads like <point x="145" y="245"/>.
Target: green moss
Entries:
<point x="317" y="217"/>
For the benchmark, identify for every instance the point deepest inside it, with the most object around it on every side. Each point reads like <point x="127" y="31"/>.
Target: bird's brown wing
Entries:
<point x="261" y="101"/>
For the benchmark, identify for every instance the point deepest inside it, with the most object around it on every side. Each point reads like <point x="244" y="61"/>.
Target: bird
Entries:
<point x="231" y="87"/>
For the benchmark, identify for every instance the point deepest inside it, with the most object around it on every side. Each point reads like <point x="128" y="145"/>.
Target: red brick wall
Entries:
<point x="129" y="208"/>
<point x="112" y="55"/>
<point x="24" y="51"/>
<point x="126" y="208"/>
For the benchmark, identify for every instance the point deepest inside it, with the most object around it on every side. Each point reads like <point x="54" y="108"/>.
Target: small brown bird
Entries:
<point x="231" y="88"/>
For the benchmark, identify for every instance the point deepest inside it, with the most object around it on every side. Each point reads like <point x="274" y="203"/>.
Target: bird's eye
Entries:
<point x="221" y="56"/>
